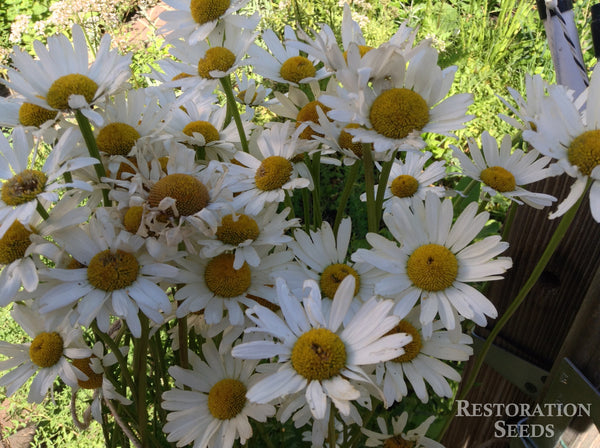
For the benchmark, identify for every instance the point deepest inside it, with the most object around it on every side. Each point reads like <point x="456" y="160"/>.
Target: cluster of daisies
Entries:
<point x="134" y="215"/>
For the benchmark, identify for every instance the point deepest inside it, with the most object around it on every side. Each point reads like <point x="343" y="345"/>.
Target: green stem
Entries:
<point x="263" y="434"/>
<point x="465" y="193"/>
<point x="350" y="181"/>
<point x="331" y="434"/>
<point x="383" y="179"/>
<point x="182" y="334"/>
<point x="232" y="107"/>
<point x="287" y="200"/>
<point x="90" y="142"/>
<point x="316" y="193"/>
<point x="306" y="208"/>
<point x="553" y="244"/>
<point x="512" y="210"/>
<point x="139" y="356"/>
<point x="370" y="189"/>
<point x="42" y="211"/>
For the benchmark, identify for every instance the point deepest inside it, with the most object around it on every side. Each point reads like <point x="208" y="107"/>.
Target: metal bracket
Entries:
<point x="528" y="377"/>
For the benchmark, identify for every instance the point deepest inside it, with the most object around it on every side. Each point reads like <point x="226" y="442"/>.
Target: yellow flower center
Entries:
<point x="273" y="173"/>
<point x="397" y="112"/>
<point x="46" y="349"/>
<point x="181" y="75"/>
<point x="404" y="186"/>
<point x="333" y="275"/>
<point x="308" y="113"/>
<point x="318" y="354"/>
<point x="23" y="187"/>
<point x="72" y="84"/>
<point x="296" y="68"/>
<point x="133" y="218"/>
<point x="190" y="194"/>
<point x="584" y="151"/>
<point x="236" y="231"/>
<point x="345" y="140"/>
<point x="432" y="267"/>
<point x="94" y="380"/>
<point x="498" y="178"/>
<point x="204" y="11"/>
<point x="216" y="58"/>
<point x="242" y="97"/>
<point x="110" y="271"/>
<point x="208" y="131"/>
<point x="34" y="115"/>
<point x="14" y="243"/>
<point x="413" y="348"/>
<point x="362" y="50"/>
<point x="225" y="281"/>
<point x="227" y="398"/>
<point x="117" y="139"/>
<point x="398" y="442"/>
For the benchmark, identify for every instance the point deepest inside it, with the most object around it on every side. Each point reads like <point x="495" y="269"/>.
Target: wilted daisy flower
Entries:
<point x="25" y="186"/>
<point x="45" y="357"/>
<point x="283" y="63"/>
<point x="400" y="437"/>
<point x="92" y="367"/>
<point x="215" y="286"/>
<point x="503" y="171"/>
<point x="63" y="79"/>
<point x="209" y="407"/>
<point x="572" y="136"/>
<point x="421" y="362"/>
<point x="325" y="259"/>
<point x="269" y="179"/>
<point x="21" y="246"/>
<point x="409" y="179"/>
<point x="242" y="234"/>
<point x="394" y="114"/>
<point x="317" y="353"/>
<point x="194" y="20"/>
<point x="436" y="262"/>
<point x="227" y="49"/>
<point x="114" y="275"/>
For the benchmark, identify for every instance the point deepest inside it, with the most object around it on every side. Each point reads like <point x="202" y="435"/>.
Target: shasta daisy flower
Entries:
<point x="267" y="180"/>
<point x="317" y="353"/>
<point x="283" y="63"/>
<point x="214" y="285"/>
<point x="504" y="172"/>
<point x="63" y="79"/>
<point x="25" y="186"/>
<point x="15" y="111"/>
<point x="400" y="437"/>
<point x="436" y="262"/>
<point x="114" y="276"/>
<point x="572" y="136"/>
<point x="45" y="357"/>
<point x="409" y="179"/>
<point x="527" y="109"/>
<point x="395" y="113"/>
<point x="212" y="410"/>
<point x="422" y="361"/>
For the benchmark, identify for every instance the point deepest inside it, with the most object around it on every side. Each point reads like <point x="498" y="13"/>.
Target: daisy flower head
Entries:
<point x="399" y="437"/>
<point x="63" y="79"/>
<point x="92" y="378"/>
<point x="527" y="109"/>
<point x="410" y="180"/>
<point x="195" y="20"/>
<point x="251" y="93"/>
<point x="114" y="276"/>
<point x="21" y="246"/>
<point x="319" y="351"/>
<point x="436" y="262"/>
<point x="503" y="171"/>
<point x="15" y="111"/>
<point x="394" y="114"/>
<point x="25" y="184"/>
<point x="46" y="357"/>
<point x="569" y="131"/>
<point x="226" y="52"/>
<point x="324" y="258"/>
<point x="284" y="63"/>
<point x="422" y="361"/>
<point x="217" y="287"/>
<point x="243" y="235"/>
<point x="209" y="407"/>
<point x="268" y="178"/>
